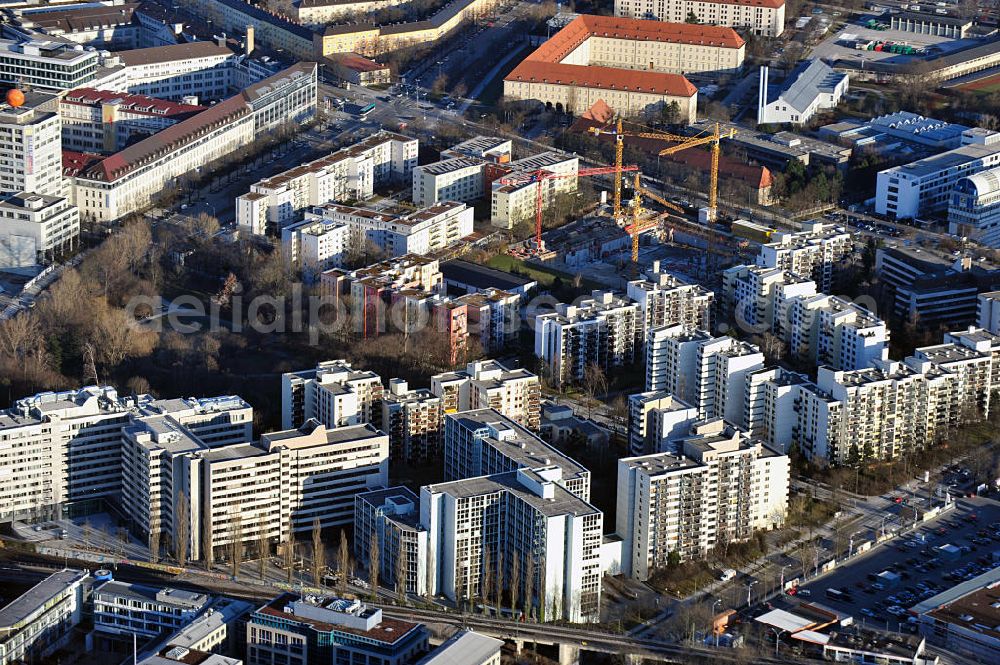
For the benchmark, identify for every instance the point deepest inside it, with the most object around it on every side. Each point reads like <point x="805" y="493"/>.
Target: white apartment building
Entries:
<point x="42" y="620"/>
<point x="664" y="300"/>
<point x="720" y="487"/>
<point x="245" y="493"/>
<point x="484" y="442"/>
<point x="349" y="173"/>
<point x="67" y="446"/>
<point x="771" y="406"/>
<point x="758" y="298"/>
<point x="656" y="420"/>
<point x="30" y="152"/>
<point x="811" y="87"/>
<point x="414" y="421"/>
<point x="974" y="208"/>
<point x="455" y="179"/>
<point x="526" y="519"/>
<point x="36" y="228"/>
<point x="106" y="189"/>
<point x="605" y="330"/>
<point x="511" y="204"/>
<point x="314" y="245"/>
<point x="815" y="252"/>
<point x="494" y="317"/>
<point x="494" y="149"/>
<point x="707" y="372"/>
<point x="832" y="331"/>
<point x="926" y="185"/>
<point x="765" y="18"/>
<point x="334" y="393"/>
<point x="398" y="231"/>
<point x="487" y="384"/>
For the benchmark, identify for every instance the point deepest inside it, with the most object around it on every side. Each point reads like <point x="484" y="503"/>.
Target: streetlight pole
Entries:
<point x="749" y="587"/>
<point x="782" y="590"/>
<point x="777" y="638"/>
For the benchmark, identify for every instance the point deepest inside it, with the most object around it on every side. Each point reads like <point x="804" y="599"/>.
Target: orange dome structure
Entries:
<point x="15" y="97"/>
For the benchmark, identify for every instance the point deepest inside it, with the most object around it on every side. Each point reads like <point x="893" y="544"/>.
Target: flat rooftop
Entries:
<point x="929" y="166"/>
<point x="562" y="501"/>
<point x="22" y="607"/>
<point x="482" y="277"/>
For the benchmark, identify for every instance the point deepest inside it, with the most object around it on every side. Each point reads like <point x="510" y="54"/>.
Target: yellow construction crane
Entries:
<point x="683" y="143"/>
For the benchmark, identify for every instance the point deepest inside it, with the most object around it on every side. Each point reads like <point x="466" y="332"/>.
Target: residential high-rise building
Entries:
<point x="709" y="373"/>
<point x="482" y="529"/>
<point x="604" y="331"/>
<point x="720" y="487"/>
<point x="814" y="252"/>
<point x="757" y="298"/>
<point x="295" y="630"/>
<point x="414" y="421"/>
<point x="390" y="519"/>
<point x="484" y="442"/>
<point x="771" y="406"/>
<point x="657" y="418"/>
<point x="334" y="393"/>
<point x="665" y="300"/>
<point x="833" y="331"/>
<point x="487" y="384"/>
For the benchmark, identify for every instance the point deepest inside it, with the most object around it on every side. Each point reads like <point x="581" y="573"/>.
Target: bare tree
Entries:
<point x="343" y="562"/>
<point x="374" y="561"/>
<point x="318" y="552"/>
<point x="400" y="573"/>
<point x="515" y="582"/>
<point x="87" y="534"/>
<point x="529" y="585"/>
<point x="595" y="383"/>
<point x="207" y="546"/>
<point x="236" y="544"/>
<point x="485" y="580"/>
<point x="154" y="544"/>
<point x="499" y="582"/>
<point x="263" y="546"/>
<point x="182" y="528"/>
<point x="288" y="550"/>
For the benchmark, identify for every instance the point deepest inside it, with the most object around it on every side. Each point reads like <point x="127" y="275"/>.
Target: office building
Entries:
<point x="349" y="173"/>
<point x="292" y="629"/>
<point x="925" y="186"/>
<point x="719" y="488"/>
<point x="484" y="442"/>
<point x="484" y="528"/>
<point x="974" y="208"/>
<point x="656" y="420"/>
<point x="334" y="393"/>
<point x="125" y="609"/>
<point x="47" y="64"/>
<point x="664" y="300"/>
<point x="390" y="519"/>
<point x="465" y="647"/>
<point x="109" y="27"/>
<point x="42" y="620"/>
<point x="815" y="252"/>
<point x="932" y="286"/>
<point x="108" y="188"/>
<point x="29" y="136"/>
<point x="413" y="419"/>
<point x="203" y="69"/>
<point x="811" y="87"/>
<point x="399" y="230"/>
<point x="765" y="18"/>
<point x="36" y="229"/>
<point x="487" y="384"/>
<point x="988" y="311"/>
<point x="707" y="372"/>
<point x="604" y="331"/>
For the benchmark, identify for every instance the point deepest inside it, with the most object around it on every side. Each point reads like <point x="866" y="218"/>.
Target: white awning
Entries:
<point x="811" y="636"/>
<point x="783" y="620"/>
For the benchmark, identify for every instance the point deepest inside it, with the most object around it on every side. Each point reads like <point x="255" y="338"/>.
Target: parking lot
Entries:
<point x="833" y="48"/>
<point x="917" y="558"/>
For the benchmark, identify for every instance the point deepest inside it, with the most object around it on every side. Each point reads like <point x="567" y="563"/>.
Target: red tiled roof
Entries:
<point x="545" y="64"/>
<point x="76" y="162"/>
<point x="599" y="113"/>
<point x="357" y="62"/>
<point x="139" y="104"/>
<point x="605" y="78"/>
<point x="388" y="631"/>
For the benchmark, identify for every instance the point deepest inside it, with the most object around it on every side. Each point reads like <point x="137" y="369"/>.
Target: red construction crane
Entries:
<point x="541" y="175"/>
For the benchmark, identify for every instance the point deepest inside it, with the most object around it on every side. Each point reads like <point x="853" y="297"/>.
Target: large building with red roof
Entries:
<point x="634" y="65"/>
<point x="765" y="18"/>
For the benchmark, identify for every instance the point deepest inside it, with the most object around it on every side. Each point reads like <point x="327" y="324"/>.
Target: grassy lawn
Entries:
<point x="683" y="580"/>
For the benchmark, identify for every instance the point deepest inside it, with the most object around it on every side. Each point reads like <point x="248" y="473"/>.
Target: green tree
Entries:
<point x="691" y="18"/>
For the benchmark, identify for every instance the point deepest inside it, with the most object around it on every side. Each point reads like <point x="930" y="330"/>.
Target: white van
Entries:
<point x="727" y="575"/>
